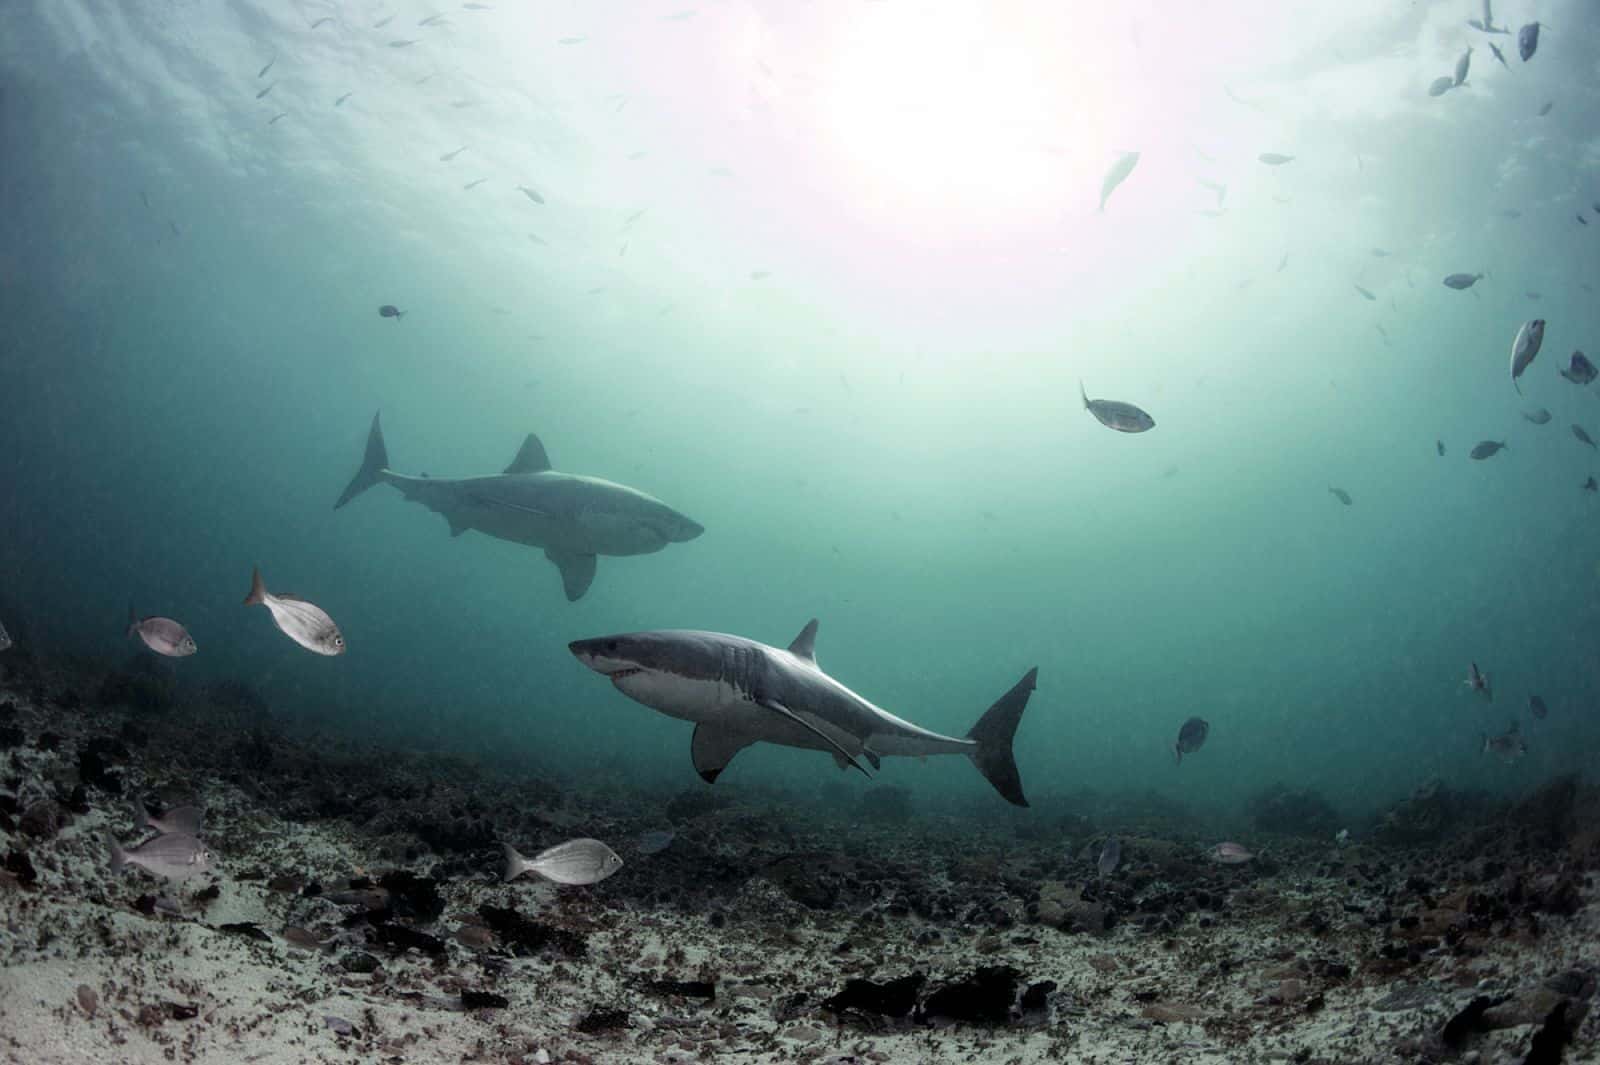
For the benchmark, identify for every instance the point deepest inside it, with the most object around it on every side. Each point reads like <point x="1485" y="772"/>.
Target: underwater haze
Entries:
<point x="825" y="277"/>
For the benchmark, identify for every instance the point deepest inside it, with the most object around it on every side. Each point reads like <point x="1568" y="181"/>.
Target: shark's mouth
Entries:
<point x="626" y="671"/>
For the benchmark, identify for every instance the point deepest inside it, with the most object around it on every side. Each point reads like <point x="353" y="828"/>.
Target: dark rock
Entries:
<point x="1545" y="817"/>
<point x="358" y="962"/>
<point x="78" y="799"/>
<point x="1293" y="813"/>
<point x="483" y="1000"/>
<point x="10" y="736"/>
<point x="1467" y="1020"/>
<point x="48" y="741"/>
<point x="1406" y="997"/>
<point x="896" y="998"/>
<point x="800" y="878"/>
<point x="1553" y="1035"/>
<point x="706" y="989"/>
<point x="1037" y="996"/>
<point x="248" y="929"/>
<point x="145" y="904"/>
<point x="18" y="865"/>
<point x="602" y="1020"/>
<point x="985" y="997"/>
<point x="182" y="1011"/>
<point x="43" y="819"/>
<point x="413" y="896"/>
<point x="210" y="893"/>
<point x="526" y="936"/>
<point x="401" y="938"/>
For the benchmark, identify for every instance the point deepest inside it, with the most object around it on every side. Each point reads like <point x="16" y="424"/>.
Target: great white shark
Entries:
<point x="739" y="692"/>
<point x="574" y="518"/>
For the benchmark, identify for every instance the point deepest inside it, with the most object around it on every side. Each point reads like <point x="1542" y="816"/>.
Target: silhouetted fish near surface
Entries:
<point x="1379" y="253"/>
<point x="1588" y="486"/>
<point x="1500" y="56"/>
<point x="1528" y="41"/>
<point x="1275" y="159"/>
<point x="389" y="310"/>
<point x="1486" y="448"/>
<point x="1537" y="708"/>
<point x="1440" y="86"/>
<point x="273" y="121"/>
<point x="340" y="101"/>
<point x="1577" y="431"/>
<point x="303" y="622"/>
<point x="1110" y="857"/>
<point x="402" y="44"/>
<point x="1191" y="737"/>
<point x="262" y="94"/>
<point x="1364" y="293"/>
<point x="263" y="72"/>
<point x="323" y="21"/>
<point x="1525" y="348"/>
<point x="1479" y="682"/>
<point x="1463" y="65"/>
<point x="576" y="862"/>
<point x="381" y="23"/>
<point x="447" y="156"/>
<point x="162" y="635"/>
<point x="1341" y="495"/>
<point x="1462" y="281"/>
<point x="1581" y="371"/>
<point x="1123" y="417"/>
<point x="1582" y="221"/>
<point x="1537" y="417"/>
<point x="1545" y="110"/>
<point x="531" y="194"/>
<point x="1229" y="854"/>
<point x="1117" y="175"/>
<point x="474" y="184"/>
<point x="1439" y="444"/>
<point x="1508" y="746"/>
<point x="171" y="856"/>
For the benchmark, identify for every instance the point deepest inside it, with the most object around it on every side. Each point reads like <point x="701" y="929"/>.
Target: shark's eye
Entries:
<point x="611" y="645"/>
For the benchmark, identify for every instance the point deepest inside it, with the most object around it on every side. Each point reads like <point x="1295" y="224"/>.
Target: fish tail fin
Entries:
<point x="258" y="588"/>
<point x="1484" y="736"/>
<point x="514" y="864"/>
<point x="133" y="620"/>
<point x="994" y="733"/>
<point x="1084" y="393"/>
<point x="119" y="857"/>
<point x="141" y="816"/>
<point x="373" y="463"/>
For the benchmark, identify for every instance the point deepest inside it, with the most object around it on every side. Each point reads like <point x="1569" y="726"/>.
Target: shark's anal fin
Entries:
<point x="530" y="457"/>
<point x="805" y="644"/>
<point x="577" y="571"/>
<point x="713" y="748"/>
<point x="778" y="708"/>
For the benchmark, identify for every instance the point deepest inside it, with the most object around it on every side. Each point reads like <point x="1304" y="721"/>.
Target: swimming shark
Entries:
<point x="574" y="518"/>
<point x="739" y="692"/>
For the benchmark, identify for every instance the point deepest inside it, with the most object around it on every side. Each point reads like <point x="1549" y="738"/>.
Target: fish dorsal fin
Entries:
<point x="530" y="457"/>
<point x="805" y="644"/>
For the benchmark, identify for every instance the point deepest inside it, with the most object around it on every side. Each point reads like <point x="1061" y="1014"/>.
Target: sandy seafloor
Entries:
<point x="1454" y="929"/>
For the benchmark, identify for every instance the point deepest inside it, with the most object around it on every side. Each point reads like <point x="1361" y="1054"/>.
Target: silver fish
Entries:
<point x="656" y="841"/>
<point x="268" y="67"/>
<point x="1462" y="281"/>
<point x="532" y="194"/>
<point x="1275" y="159"/>
<point x="1525" y="348"/>
<point x="1528" y="41"/>
<point x="1117" y="175"/>
<point x="1479" y="682"/>
<point x="1486" y="448"/>
<point x="184" y="820"/>
<point x="1500" y="56"/>
<point x="174" y="856"/>
<point x="1508" y="746"/>
<point x="1462" y="66"/>
<point x="1581" y="371"/>
<point x="305" y="623"/>
<point x="469" y="186"/>
<point x="1577" y="431"/>
<point x="577" y="861"/>
<point x="1123" y="417"/>
<point x="402" y="44"/>
<point x="1229" y="854"/>
<point x="1110" y="857"/>
<point x="447" y="156"/>
<point x="1537" y="417"/>
<point x="1341" y="495"/>
<point x="263" y="93"/>
<point x="1364" y="293"/>
<point x="1440" y="86"/>
<point x="162" y="635"/>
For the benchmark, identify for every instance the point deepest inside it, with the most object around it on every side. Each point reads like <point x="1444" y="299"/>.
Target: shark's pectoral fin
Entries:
<point x="577" y="571"/>
<point x="778" y="708"/>
<point x="872" y="758"/>
<point x="713" y="748"/>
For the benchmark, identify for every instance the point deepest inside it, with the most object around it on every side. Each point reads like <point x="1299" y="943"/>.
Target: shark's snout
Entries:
<point x="604" y="655"/>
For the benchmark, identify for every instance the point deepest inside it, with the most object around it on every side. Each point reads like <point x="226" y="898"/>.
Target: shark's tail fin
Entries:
<point x="373" y="463"/>
<point x="994" y="732"/>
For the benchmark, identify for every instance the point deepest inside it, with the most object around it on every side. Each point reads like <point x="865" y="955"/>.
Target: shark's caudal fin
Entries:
<point x="994" y="732"/>
<point x="373" y="464"/>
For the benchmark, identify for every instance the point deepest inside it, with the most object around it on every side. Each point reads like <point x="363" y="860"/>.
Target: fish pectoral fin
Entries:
<point x="713" y="748"/>
<point x="778" y="708"/>
<point x="577" y="571"/>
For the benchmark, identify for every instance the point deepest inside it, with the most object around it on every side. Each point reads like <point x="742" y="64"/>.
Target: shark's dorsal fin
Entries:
<point x="530" y="458"/>
<point x="713" y="748"/>
<point x="805" y="644"/>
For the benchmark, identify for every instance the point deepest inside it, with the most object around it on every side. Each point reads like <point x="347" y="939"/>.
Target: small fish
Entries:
<point x="1117" y="175"/>
<point x="1537" y="417"/>
<point x="381" y="23"/>
<point x="1525" y="348"/>
<point x="389" y="310"/>
<point x="1440" y="86"/>
<point x="1283" y="262"/>
<point x="636" y="156"/>
<point x="1582" y="221"/>
<point x="1379" y="253"/>
<point x="1274" y="159"/>
<point x="656" y="841"/>
<point x="323" y="21"/>
<point x="572" y="40"/>
<point x="1123" y="417"/>
<point x="1582" y="371"/>
<point x="1364" y="293"/>
<point x="404" y="43"/>
<point x="273" y="121"/>
<point x="1577" y="431"/>
<point x="447" y="156"/>
<point x="1536" y="705"/>
<point x="532" y="194"/>
<point x="1342" y="837"/>
<point x="431" y="20"/>
<point x="1462" y="65"/>
<point x="172" y="856"/>
<point x="1499" y="55"/>
<point x="720" y="171"/>
<point x="303" y="622"/>
<point x="162" y="635"/>
<point x="1462" y="281"/>
<point x="263" y="72"/>
<point x="1110" y="857"/>
<point x="340" y="101"/>
<point x="1341" y="495"/>
<point x="577" y="861"/>
<point x="1545" y="110"/>
<point x="1588" y="486"/>
<point x="1486" y="448"/>
<point x="1191" y="737"/>
<point x="1229" y="854"/>
<point x="474" y="184"/>
<point x="262" y="94"/>
<point x="174" y="226"/>
<point x="1479" y="682"/>
<point x="1508" y="746"/>
<point x="1528" y="41"/>
<point x="537" y="239"/>
<point x="1439" y="444"/>
<point x="1510" y="212"/>
<point x="184" y="820"/>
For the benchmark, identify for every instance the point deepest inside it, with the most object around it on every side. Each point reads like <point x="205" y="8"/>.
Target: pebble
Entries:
<point x="359" y="962"/>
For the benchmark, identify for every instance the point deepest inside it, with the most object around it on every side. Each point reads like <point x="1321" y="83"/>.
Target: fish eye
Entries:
<point x="611" y="645"/>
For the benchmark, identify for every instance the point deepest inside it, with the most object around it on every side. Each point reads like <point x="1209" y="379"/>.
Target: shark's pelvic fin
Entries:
<point x="805" y="644"/>
<point x="713" y="748"/>
<point x="577" y="571"/>
<point x="779" y="708"/>
<point x="373" y="464"/>
<point x="530" y="457"/>
<point x="994" y="733"/>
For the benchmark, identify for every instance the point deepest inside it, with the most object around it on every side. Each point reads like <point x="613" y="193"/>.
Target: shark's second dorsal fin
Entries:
<point x="805" y="644"/>
<point x="530" y="458"/>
